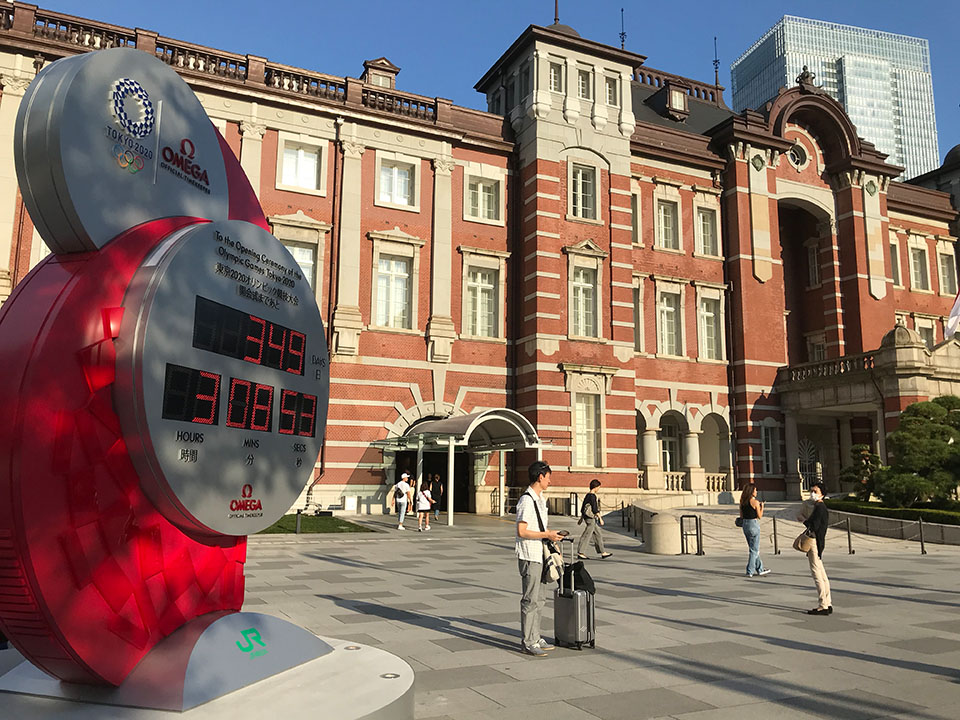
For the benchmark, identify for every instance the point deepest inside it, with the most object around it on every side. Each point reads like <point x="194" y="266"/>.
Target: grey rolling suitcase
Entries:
<point x="574" y="624"/>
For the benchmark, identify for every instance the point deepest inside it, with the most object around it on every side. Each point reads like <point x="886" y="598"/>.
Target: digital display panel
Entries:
<point x="226" y="331"/>
<point x="298" y="414"/>
<point x="250" y="406"/>
<point x="191" y="395"/>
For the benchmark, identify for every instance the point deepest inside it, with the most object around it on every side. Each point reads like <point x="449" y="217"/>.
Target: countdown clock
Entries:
<point x="164" y="372"/>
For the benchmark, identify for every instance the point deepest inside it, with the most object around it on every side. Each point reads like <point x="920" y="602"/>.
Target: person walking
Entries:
<point x="424" y="500"/>
<point x="817" y="528"/>
<point x="751" y="510"/>
<point x="531" y="532"/>
<point x="590" y="517"/>
<point x="436" y="492"/>
<point x="401" y="495"/>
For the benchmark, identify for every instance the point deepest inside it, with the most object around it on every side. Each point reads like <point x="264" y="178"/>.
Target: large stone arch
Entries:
<point x="822" y="116"/>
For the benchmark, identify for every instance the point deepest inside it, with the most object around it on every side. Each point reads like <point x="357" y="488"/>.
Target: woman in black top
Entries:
<point x="817" y="525"/>
<point x="590" y="516"/>
<point x="751" y="510"/>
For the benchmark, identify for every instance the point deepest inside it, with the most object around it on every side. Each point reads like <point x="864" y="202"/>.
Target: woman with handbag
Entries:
<point x="812" y="542"/>
<point x="751" y="510"/>
<point x="590" y="516"/>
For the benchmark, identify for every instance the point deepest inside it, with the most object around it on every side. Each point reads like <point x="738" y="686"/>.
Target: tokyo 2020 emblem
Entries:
<point x="127" y="89"/>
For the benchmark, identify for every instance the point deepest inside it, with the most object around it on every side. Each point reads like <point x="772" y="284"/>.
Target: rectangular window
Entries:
<point x="816" y="349"/>
<point x="670" y="327"/>
<point x="637" y="322"/>
<point x="918" y="262"/>
<point x="393" y="292"/>
<point x="668" y="235"/>
<point x="584" y="89"/>
<point x="556" y="77"/>
<point x="482" y="302"/>
<point x="587" y="430"/>
<point x="928" y="334"/>
<point x="670" y="446"/>
<point x="895" y="263"/>
<point x="301" y="167"/>
<point x="483" y="199"/>
<point x="396" y="183"/>
<point x="307" y="260"/>
<point x="770" y="442"/>
<point x="948" y="274"/>
<point x="585" y="302"/>
<point x="635" y="218"/>
<point x="707" y="227"/>
<point x="710" y="339"/>
<point x="813" y="266"/>
<point x="380" y="80"/>
<point x="583" y="192"/>
<point x="613" y="97"/>
<point x="524" y="81"/>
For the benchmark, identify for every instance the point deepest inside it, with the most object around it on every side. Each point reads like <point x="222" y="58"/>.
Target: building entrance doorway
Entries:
<point x="435" y="463"/>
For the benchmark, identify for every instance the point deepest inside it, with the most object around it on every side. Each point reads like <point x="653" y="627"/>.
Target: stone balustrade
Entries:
<point x="301" y="82"/>
<point x="65" y="29"/>
<point x="716" y="482"/>
<point x="196" y="59"/>
<point x="832" y="368"/>
<point x="399" y="104"/>
<point x="675" y="481"/>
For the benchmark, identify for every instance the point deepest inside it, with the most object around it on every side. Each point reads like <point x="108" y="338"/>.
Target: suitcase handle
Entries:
<point x="572" y="553"/>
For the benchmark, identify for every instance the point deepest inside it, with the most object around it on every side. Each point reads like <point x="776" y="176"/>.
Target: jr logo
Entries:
<point x="251" y="636"/>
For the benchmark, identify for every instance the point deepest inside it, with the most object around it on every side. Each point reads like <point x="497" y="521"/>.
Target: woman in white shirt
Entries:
<point x="424" y="501"/>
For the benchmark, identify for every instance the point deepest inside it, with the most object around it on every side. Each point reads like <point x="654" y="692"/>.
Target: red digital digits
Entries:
<point x="262" y="407"/>
<point x="258" y="341"/>
<point x="296" y="351"/>
<point x="298" y="414"/>
<point x="250" y="406"/>
<point x="212" y="398"/>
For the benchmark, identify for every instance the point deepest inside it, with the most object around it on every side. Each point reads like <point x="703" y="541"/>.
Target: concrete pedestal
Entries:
<point x="217" y="678"/>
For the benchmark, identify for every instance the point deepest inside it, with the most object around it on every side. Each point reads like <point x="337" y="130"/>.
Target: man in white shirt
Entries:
<point x="531" y="531"/>
<point x="400" y="495"/>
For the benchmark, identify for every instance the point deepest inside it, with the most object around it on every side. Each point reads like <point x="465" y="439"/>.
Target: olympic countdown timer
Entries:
<point x="222" y="378"/>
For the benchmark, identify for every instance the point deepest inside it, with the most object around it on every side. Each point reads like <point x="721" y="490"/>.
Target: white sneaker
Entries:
<point x="428" y="527"/>
<point x="400" y="527"/>
<point x="764" y="572"/>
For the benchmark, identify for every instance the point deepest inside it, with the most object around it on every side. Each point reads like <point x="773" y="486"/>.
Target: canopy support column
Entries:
<point x="500" y="498"/>
<point x="418" y="480"/>
<point x="450" y="481"/>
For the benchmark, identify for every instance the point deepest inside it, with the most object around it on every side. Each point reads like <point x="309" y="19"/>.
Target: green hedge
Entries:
<point x="313" y="524"/>
<point x="944" y="517"/>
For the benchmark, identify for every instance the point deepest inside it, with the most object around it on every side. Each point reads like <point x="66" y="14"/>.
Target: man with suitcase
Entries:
<point x="531" y="532"/>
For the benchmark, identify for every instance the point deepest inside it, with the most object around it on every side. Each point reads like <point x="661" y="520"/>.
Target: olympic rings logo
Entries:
<point x="121" y="91"/>
<point x="127" y="159"/>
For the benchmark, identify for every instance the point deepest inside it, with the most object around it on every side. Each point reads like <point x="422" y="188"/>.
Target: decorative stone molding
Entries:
<point x="252" y="129"/>
<point x="352" y="149"/>
<point x="587" y="248"/>
<point x="443" y="165"/>
<point x="347" y="325"/>
<point x="14" y="84"/>
<point x="588" y="378"/>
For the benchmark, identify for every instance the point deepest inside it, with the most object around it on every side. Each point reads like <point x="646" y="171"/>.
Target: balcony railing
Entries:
<point x="313" y="85"/>
<point x="398" y="104"/>
<point x="716" y="482"/>
<point x="65" y="29"/>
<point x="182" y="56"/>
<point x="675" y="481"/>
<point x="828" y="368"/>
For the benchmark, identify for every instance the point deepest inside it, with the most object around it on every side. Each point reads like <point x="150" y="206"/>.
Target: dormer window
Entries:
<point x="677" y="100"/>
<point x="380" y="72"/>
<point x="384" y="81"/>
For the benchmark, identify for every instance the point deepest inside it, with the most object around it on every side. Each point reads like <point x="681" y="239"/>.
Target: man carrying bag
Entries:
<point x="531" y="555"/>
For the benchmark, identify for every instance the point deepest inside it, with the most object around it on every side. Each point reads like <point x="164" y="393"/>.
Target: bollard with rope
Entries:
<point x="776" y="546"/>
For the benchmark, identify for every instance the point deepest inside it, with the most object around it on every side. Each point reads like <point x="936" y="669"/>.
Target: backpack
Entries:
<point x="398" y="494"/>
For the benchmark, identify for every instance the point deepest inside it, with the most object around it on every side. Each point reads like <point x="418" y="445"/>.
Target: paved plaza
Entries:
<point x="678" y="637"/>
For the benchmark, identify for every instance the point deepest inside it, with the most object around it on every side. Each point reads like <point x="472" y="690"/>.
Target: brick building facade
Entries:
<point x="676" y="297"/>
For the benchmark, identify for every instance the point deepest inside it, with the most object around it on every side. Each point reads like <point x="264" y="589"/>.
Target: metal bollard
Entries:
<point x="923" y="548"/>
<point x="850" y="550"/>
<point x="699" y="537"/>
<point x="633" y="512"/>
<point x="298" y="521"/>
<point x="776" y="545"/>
<point x="623" y="515"/>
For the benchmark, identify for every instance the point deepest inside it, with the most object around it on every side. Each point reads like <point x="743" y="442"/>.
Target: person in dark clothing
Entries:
<point x="436" y="492"/>
<point x="817" y="527"/>
<point x="590" y="517"/>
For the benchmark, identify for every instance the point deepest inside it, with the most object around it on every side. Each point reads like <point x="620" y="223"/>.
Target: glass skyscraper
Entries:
<point x="882" y="79"/>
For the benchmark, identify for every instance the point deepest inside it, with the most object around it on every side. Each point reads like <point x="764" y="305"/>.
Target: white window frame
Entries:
<point x="816" y="340"/>
<point x="582" y="435"/>
<point x="666" y="190"/>
<point x="926" y="322"/>
<point x="608" y="83"/>
<point x="675" y="441"/>
<point x="814" y="278"/>
<point x="584" y="285"/>
<point x="671" y="288"/>
<point x="495" y="260"/>
<point x="636" y="214"/>
<point x="396" y="243"/>
<point x="896" y="266"/>
<point x="919" y="243"/>
<point x="552" y="64"/>
<point x="946" y="268"/>
<point x="589" y="256"/>
<point x="572" y="165"/>
<point x="484" y="173"/>
<point x="593" y="380"/>
<point x="306" y="143"/>
<point x="394" y="158"/>
<point x="704" y="199"/>
<point x="713" y="294"/>
<point x="585" y="72"/>
<point x="668" y="208"/>
<point x="770" y="447"/>
<point x="301" y="230"/>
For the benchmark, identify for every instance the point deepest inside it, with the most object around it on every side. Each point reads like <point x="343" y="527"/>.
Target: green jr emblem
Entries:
<point x="251" y="636"/>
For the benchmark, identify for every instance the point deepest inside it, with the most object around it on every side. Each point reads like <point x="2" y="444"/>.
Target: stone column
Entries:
<point x="440" y="330"/>
<point x="792" y="480"/>
<point x="696" y="476"/>
<point x="652" y="472"/>
<point x="846" y="442"/>
<point x="571" y="99"/>
<point x="251" y="149"/>
<point x="14" y="87"/>
<point x="347" y="321"/>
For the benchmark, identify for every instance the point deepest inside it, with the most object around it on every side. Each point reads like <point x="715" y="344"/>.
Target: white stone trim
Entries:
<point x="302" y="230"/>
<point x="708" y="292"/>
<point x="675" y="288"/>
<point x="415" y="163"/>
<point x="585" y="255"/>
<point x="491" y="260"/>
<point x="666" y="190"/>
<point x="490" y="173"/>
<point x="398" y="243"/>
<point x="703" y="200"/>
<point x="593" y="163"/>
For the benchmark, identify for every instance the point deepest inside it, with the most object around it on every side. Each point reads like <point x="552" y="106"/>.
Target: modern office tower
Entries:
<point x="882" y="79"/>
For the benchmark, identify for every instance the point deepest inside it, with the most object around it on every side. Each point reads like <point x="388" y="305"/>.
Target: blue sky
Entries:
<point x="444" y="46"/>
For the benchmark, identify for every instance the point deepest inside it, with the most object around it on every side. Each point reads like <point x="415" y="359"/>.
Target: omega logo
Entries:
<point x="246" y="500"/>
<point x="183" y="160"/>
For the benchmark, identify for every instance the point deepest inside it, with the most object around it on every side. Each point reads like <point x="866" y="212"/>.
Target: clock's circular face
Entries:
<point x="222" y="378"/>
